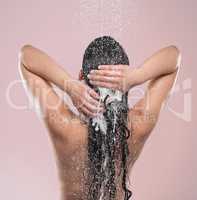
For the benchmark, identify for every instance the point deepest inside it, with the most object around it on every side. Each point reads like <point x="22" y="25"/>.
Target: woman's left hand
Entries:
<point x="112" y="76"/>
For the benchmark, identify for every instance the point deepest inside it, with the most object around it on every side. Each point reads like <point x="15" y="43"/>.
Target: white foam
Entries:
<point x="101" y="123"/>
<point x="113" y="95"/>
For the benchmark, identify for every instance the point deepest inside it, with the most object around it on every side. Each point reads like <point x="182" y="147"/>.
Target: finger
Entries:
<point x="79" y="104"/>
<point x="90" y="111"/>
<point x="93" y="94"/>
<point x="105" y="78"/>
<point x="112" y="67"/>
<point x="106" y="72"/>
<point x="97" y="103"/>
<point x="105" y="84"/>
<point x="92" y="108"/>
<point x="87" y="112"/>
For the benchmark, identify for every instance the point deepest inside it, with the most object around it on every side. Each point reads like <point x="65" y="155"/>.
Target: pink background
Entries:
<point x="167" y="167"/>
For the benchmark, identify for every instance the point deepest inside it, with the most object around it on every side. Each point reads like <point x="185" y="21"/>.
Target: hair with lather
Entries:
<point x="105" y="149"/>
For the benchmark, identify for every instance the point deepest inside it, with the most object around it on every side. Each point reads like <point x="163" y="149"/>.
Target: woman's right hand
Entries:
<point x="84" y="98"/>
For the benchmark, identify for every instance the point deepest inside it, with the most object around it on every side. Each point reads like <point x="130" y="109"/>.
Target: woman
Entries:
<point x="96" y="153"/>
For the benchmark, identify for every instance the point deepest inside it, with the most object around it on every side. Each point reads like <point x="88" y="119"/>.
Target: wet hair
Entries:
<point x="107" y="149"/>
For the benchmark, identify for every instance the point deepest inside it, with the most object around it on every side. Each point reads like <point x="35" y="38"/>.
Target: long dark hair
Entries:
<point x="106" y="150"/>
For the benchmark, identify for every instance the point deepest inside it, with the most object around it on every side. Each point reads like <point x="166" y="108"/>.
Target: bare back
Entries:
<point x="69" y="133"/>
<point x="72" y="156"/>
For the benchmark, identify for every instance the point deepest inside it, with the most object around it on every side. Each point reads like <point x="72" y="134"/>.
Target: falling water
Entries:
<point x="111" y="17"/>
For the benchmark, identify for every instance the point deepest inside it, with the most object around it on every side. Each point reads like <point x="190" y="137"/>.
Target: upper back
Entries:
<point x="70" y="137"/>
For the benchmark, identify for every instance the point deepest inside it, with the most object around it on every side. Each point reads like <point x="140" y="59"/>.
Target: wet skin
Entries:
<point x="71" y="153"/>
<point x="68" y="132"/>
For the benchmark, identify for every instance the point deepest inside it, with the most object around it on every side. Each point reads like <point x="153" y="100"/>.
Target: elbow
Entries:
<point x="25" y="53"/>
<point x="26" y="47"/>
<point x="175" y="55"/>
<point x="175" y="50"/>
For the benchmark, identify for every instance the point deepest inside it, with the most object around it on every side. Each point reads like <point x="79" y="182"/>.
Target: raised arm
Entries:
<point x="160" y="71"/>
<point x="39" y="70"/>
